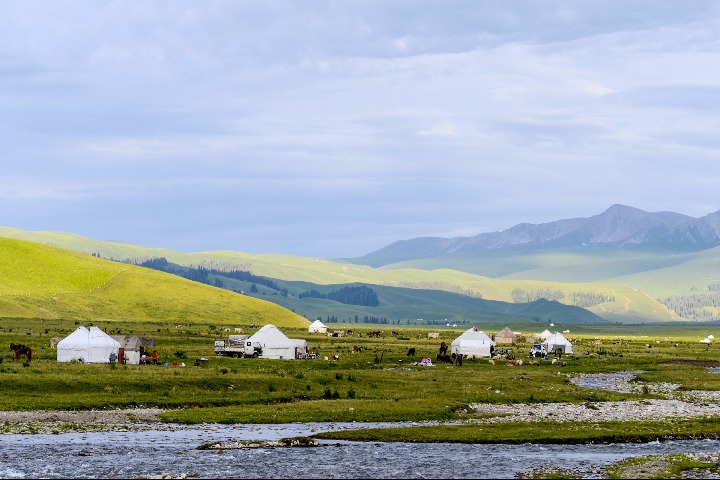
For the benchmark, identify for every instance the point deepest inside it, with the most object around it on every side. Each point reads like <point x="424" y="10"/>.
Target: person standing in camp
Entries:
<point x="154" y="357"/>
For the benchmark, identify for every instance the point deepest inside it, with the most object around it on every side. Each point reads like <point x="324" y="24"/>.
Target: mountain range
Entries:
<point x="619" y="226"/>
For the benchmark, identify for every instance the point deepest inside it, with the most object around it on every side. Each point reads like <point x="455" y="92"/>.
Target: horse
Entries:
<point x="21" y="350"/>
<point x="443" y="348"/>
<point x="444" y="357"/>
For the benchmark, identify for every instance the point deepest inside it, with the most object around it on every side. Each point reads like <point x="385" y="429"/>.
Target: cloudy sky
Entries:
<point x="333" y="128"/>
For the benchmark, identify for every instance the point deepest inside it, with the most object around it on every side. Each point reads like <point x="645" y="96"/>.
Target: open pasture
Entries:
<point x="354" y="388"/>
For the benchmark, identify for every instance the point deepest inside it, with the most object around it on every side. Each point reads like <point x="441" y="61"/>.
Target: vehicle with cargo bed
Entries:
<point x="238" y="346"/>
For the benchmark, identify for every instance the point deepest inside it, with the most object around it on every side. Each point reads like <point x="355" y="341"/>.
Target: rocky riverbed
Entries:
<point x="676" y="404"/>
<point x="42" y="421"/>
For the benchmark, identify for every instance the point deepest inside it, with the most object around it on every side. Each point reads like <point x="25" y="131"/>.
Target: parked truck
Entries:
<point x="238" y="346"/>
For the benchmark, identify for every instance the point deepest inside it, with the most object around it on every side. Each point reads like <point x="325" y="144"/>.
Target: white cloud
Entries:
<point x="351" y="117"/>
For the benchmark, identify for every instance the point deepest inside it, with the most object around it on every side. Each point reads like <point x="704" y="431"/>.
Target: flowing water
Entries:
<point x="174" y="453"/>
<point x="148" y="454"/>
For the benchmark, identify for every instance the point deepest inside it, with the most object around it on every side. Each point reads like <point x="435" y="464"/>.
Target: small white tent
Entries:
<point x="555" y="341"/>
<point x="317" y="327"/>
<point x="472" y="344"/>
<point x="89" y="346"/>
<point x="277" y="345"/>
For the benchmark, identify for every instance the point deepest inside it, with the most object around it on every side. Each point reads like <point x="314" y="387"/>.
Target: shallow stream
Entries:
<point x="173" y="454"/>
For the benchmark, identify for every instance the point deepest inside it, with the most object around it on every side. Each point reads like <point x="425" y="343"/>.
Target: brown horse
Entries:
<point x="21" y="350"/>
<point x="443" y="348"/>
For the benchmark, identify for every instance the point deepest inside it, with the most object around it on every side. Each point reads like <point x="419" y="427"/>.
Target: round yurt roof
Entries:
<point x="507" y="333"/>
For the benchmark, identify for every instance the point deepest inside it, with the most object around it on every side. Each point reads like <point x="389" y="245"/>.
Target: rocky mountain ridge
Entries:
<point x="619" y="226"/>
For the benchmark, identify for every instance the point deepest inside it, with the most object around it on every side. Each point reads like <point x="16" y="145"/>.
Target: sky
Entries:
<point x="331" y="129"/>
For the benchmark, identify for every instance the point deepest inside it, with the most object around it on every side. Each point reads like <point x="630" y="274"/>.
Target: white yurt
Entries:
<point x="277" y="345"/>
<point x="472" y="344"/>
<point x="544" y="335"/>
<point x="89" y="346"/>
<point x="555" y="341"/>
<point x="317" y="327"/>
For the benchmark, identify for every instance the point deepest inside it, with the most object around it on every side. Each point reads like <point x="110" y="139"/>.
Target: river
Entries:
<point x="174" y="454"/>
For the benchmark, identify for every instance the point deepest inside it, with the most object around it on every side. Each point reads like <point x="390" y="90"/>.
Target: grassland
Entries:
<point x="354" y="388"/>
<point x="633" y="280"/>
<point x="47" y="291"/>
<point x="41" y="281"/>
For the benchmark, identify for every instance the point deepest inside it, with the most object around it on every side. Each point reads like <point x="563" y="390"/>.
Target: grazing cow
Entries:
<point x="411" y="352"/>
<point x="433" y="335"/>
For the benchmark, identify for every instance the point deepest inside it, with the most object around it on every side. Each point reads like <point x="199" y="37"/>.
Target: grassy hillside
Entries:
<point x="615" y="273"/>
<point x="570" y="265"/>
<point x="41" y="281"/>
<point x="430" y="306"/>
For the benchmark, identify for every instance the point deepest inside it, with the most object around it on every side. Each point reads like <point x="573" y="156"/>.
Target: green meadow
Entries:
<point x="355" y="387"/>
<point x="46" y="292"/>
<point x="634" y="280"/>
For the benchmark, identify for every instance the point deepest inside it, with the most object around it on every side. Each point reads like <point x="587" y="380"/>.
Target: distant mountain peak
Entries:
<point x="619" y="226"/>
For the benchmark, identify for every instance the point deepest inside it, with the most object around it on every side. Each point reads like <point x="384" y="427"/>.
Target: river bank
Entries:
<point x="626" y="461"/>
<point x="677" y="404"/>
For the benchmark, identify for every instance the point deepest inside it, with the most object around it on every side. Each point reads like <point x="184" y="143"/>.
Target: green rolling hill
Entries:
<point x="43" y="281"/>
<point x="630" y="282"/>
